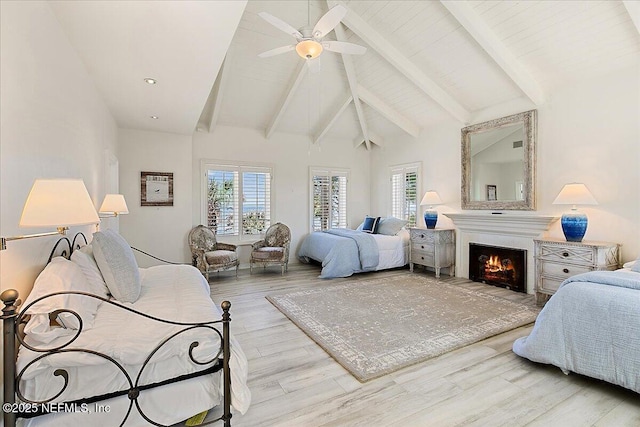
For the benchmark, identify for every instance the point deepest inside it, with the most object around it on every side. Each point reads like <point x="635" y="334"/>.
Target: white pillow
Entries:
<point x="117" y="265"/>
<point x="636" y="266"/>
<point x="63" y="275"/>
<point x="391" y="225"/>
<point x="83" y="257"/>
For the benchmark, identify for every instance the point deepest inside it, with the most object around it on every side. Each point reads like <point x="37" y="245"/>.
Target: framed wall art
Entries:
<point x="492" y="192"/>
<point x="156" y="189"/>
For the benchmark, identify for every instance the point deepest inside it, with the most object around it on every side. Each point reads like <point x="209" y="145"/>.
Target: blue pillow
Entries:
<point x="371" y="224"/>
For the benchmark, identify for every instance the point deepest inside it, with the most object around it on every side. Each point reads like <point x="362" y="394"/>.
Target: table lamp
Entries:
<point x="430" y="215"/>
<point x="574" y="223"/>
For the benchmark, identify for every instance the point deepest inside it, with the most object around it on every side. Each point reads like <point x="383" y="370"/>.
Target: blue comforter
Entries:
<point x="341" y="251"/>
<point x="591" y="326"/>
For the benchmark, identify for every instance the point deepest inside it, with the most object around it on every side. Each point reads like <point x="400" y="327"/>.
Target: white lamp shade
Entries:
<point x="58" y="203"/>
<point x="575" y="194"/>
<point x="114" y="203"/>
<point x="431" y="198"/>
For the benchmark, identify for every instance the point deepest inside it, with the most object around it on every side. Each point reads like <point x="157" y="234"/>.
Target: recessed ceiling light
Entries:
<point x="154" y="117"/>
<point x="150" y="81"/>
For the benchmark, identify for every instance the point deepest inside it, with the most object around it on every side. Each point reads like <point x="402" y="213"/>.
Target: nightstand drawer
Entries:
<point x="581" y="255"/>
<point x="420" y="236"/>
<point x="562" y="270"/>
<point x="423" y="258"/>
<point x="422" y="247"/>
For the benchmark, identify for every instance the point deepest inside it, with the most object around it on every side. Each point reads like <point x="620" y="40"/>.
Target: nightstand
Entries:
<point x="433" y="248"/>
<point x="557" y="260"/>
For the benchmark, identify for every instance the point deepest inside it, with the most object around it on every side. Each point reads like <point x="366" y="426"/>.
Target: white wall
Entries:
<point x="291" y="157"/>
<point x="588" y="132"/>
<point x="159" y="230"/>
<point x="53" y="123"/>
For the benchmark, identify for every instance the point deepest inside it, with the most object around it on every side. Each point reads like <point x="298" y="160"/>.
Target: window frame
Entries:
<point x="404" y="169"/>
<point x="240" y="167"/>
<point x="330" y="172"/>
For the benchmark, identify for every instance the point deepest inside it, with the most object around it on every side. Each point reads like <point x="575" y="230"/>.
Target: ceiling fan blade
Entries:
<point x="344" y="47"/>
<point x="329" y="21"/>
<point x="277" y="51"/>
<point x="280" y="24"/>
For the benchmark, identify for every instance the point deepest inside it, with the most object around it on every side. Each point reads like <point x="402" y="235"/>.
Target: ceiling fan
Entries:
<point x="309" y="43"/>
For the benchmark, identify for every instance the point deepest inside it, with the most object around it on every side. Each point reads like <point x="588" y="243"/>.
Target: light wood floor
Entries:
<point x="295" y="383"/>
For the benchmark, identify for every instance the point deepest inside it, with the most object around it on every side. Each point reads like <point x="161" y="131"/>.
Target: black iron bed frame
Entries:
<point x="27" y="408"/>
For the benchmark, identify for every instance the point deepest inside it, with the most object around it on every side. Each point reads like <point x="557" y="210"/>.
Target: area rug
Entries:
<point x="377" y="326"/>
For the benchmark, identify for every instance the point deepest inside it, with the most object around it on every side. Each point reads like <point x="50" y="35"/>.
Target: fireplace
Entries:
<point x="498" y="266"/>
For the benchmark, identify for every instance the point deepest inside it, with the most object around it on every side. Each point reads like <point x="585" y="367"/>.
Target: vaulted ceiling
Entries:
<point x="426" y="61"/>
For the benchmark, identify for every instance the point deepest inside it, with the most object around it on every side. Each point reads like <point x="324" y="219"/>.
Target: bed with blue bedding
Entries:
<point x="591" y="326"/>
<point x="344" y="252"/>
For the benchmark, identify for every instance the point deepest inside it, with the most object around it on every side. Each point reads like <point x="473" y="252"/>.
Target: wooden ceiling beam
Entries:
<point x="332" y="120"/>
<point x="218" y="91"/>
<point x="392" y="55"/>
<point x="387" y="111"/>
<point x="473" y="23"/>
<point x="633" y="8"/>
<point x="350" y="69"/>
<point x="294" y="84"/>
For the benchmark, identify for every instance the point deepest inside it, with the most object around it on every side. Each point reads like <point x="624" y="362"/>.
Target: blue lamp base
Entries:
<point x="430" y="218"/>
<point x="574" y="226"/>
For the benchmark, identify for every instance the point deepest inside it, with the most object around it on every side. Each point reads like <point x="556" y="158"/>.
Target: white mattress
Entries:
<point x="393" y="250"/>
<point x="178" y="293"/>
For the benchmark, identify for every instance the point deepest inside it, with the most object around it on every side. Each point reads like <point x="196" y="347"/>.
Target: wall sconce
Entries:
<point x="431" y="215"/>
<point x="60" y="203"/>
<point x="113" y="205"/>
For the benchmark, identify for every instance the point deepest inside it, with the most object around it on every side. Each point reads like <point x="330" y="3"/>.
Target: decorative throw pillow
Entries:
<point x="117" y="265"/>
<point x="370" y="224"/>
<point x="83" y="257"/>
<point x="58" y="276"/>
<point x="391" y="225"/>
<point x="636" y="266"/>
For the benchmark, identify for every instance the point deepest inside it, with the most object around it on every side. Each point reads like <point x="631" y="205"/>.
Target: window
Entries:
<point x="238" y="199"/>
<point x="328" y="199"/>
<point x="404" y="192"/>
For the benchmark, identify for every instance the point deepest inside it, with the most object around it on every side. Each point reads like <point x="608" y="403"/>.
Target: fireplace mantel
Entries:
<point x="512" y="230"/>
<point x="502" y="223"/>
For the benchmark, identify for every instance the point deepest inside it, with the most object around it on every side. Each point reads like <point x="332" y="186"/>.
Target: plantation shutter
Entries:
<point x="222" y="201"/>
<point x="329" y="199"/>
<point x="256" y="200"/>
<point x="404" y="192"/>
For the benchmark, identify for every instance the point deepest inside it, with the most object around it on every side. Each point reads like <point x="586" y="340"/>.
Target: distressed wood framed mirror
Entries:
<point x="499" y="163"/>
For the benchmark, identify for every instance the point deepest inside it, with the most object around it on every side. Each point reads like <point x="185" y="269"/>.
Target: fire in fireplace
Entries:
<point x="498" y="266"/>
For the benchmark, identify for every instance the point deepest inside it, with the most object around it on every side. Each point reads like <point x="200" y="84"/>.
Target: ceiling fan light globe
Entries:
<point x="309" y="49"/>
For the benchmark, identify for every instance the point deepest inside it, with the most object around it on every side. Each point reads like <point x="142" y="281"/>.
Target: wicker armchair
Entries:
<point x="273" y="249"/>
<point x="209" y="254"/>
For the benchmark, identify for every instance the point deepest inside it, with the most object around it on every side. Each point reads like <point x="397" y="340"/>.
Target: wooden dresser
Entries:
<point x="433" y="248"/>
<point x="557" y="260"/>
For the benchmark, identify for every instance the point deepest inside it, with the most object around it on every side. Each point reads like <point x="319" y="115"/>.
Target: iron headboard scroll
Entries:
<point x="70" y="246"/>
<point x="11" y="318"/>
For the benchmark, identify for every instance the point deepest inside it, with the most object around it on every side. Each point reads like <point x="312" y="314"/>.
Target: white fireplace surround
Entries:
<point x="510" y="230"/>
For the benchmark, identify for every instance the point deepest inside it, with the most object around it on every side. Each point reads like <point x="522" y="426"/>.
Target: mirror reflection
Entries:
<point x="498" y="163"/>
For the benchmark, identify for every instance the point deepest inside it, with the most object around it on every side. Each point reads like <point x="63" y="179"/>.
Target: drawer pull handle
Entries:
<point x="422" y="246"/>
<point x="565" y="254"/>
<point x="565" y="270"/>
<point x="421" y="257"/>
<point x="422" y="236"/>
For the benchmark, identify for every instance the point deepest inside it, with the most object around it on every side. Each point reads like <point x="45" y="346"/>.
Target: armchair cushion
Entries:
<point x="221" y="257"/>
<point x="268" y="253"/>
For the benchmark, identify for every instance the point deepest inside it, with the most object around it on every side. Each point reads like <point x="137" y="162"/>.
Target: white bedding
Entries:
<point x="178" y="293"/>
<point x="393" y="251"/>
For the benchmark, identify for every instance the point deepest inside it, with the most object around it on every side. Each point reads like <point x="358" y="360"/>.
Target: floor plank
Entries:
<point x="295" y="383"/>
